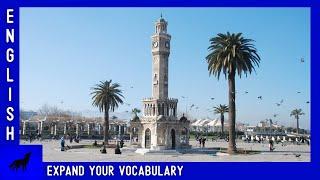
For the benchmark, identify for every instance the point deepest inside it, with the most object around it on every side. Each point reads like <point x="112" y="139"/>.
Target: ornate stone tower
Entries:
<point x="160" y="56"/>
<point x="159" y="127"/>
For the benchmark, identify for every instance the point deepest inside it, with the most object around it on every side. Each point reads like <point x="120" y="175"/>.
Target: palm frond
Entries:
<point x="231" y="54"/>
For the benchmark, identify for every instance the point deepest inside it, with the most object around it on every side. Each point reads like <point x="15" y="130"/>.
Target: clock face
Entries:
<point x="155" y="44"/>
<point x="167" y="44"/>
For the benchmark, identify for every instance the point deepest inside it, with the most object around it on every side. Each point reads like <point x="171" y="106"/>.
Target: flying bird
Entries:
<point x="128" y="104"/>
<point x="308" y="102"/>
<point x="278" y="104"/>
<point x="260" y="97"/>
<point x="212" y="98"/>
<point x="281" y="101"/>
<point x="275" y="115"/>
<point x="246" y="92"/>
<point x="298" y="92"/>
<point x="131" y="87"/>
<point x="302" y="60"/>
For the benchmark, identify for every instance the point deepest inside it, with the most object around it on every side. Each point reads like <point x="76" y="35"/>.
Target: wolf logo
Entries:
<point x="20" y="163"/>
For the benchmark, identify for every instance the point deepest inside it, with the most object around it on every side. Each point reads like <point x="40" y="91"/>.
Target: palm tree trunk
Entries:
<point x="297" y="124"/>
<point x="232" y="114"/>
<point x="106" y="126"/>
<point x="222" y="125"/>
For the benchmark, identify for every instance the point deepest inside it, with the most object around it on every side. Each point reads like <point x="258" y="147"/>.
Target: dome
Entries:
<point x="161" y="19"/>
<point x="183" y="118"/>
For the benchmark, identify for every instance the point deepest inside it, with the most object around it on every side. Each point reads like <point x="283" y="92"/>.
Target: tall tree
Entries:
<point x="106" y="96"/>
<point x="221" y="109"/>
<point x="297" y="113"/>
<point x="231" y="54"/>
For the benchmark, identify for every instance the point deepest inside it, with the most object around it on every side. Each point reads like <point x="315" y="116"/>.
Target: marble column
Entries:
<point x="41" y="127"/>
<point x="24" y="128"/>
<point x="65" y="128"/>
<point x="99" y="129"/>
<point x="55" y="129"/>
<point x="38" y="128"/>
<point x="130" y="137"/>
<point x="77" y="129"/>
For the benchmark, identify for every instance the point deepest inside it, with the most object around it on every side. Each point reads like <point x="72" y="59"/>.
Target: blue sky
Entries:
<point x="65" y="51"/>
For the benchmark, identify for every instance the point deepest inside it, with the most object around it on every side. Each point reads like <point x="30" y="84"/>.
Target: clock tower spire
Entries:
<point x="160" y="57"/>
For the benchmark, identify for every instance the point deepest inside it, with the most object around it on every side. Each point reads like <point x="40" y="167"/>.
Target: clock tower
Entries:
<point x="159" y="128"/>
<point x="160" y="56"/>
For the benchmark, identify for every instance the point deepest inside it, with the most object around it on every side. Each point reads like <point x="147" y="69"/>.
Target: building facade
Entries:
<point x="159" y="128"/>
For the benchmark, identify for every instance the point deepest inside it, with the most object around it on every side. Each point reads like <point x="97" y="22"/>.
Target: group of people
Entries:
<point x="30" y="137"/>
<point x="202" y="141"/>
<point x="75" y="138"/>
<point x="71" y="139"/>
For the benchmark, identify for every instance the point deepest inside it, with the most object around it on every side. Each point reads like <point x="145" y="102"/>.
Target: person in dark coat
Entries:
<point x="121" y="143"/>
<point x="62" y="142"/>
<point x="200" y="142"/>
<point x="271" y="145"/>
<point x="117" y="149"/>
<point x="203" y="142"/>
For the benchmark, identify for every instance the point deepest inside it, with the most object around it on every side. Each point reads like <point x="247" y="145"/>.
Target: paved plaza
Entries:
<point x="287" y="153"/>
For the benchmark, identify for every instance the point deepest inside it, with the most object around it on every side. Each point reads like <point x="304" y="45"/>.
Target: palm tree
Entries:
<point x="106" y="96"/>
<point x="135" y="111"/>
<point x="231" y="54"/>
<point x="296" y="113"/>
<point x="221" y="109"/>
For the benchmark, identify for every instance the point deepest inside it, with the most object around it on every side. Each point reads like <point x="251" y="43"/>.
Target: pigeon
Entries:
<point x="278" y="104"/>
<point x="308" y="102"/>
<point x="246" y="92"/>
<point x="212" y="98"/>
<point x="302" y="60"/>
<point x="275" y="115"/>
<point x="298" y="92"/>
<point x="297" y="155"/>
<point x="192" y="106"/>
<point x="260" y="97"/>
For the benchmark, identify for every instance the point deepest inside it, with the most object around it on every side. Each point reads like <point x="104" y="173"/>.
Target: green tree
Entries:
<point x="297" y="113"/>
<point x="231" y="54"/>
<point x="106" y="96"/>
<point x="221" y="109"/>
<point x="136" y="111"/>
